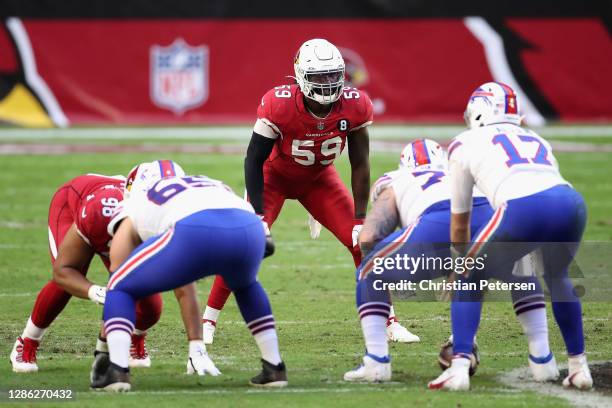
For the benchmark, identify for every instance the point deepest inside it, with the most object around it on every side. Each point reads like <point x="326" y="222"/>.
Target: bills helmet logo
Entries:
<point x="179" y="76"/>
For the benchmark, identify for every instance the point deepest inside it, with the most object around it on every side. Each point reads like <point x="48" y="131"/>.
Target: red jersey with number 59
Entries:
<point x="91" y="200"/>
<point x="304" y="142"/>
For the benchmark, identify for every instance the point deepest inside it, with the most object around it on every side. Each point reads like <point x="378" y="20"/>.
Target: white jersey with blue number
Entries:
<point x="504" y="161"/>
<point x="417" y="190"/>
<point x="175" y="198"/>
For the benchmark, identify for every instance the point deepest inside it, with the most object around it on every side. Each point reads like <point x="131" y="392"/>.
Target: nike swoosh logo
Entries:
<point x="83" y="215"/>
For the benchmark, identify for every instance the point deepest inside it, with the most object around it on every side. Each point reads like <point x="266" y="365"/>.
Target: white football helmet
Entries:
<point x="492" y="102"/>
<point x="423" y="154"/>
<point x="319" y="71"/>
<point x="144" y="175"/>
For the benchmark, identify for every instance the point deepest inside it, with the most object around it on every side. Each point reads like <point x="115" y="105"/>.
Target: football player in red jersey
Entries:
<point x="78" y="218"/>
<point x="300" y="130"/>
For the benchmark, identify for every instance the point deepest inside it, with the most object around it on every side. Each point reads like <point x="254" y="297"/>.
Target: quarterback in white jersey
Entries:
<point x="505" y="161"/>
<point x="535" y="207"/>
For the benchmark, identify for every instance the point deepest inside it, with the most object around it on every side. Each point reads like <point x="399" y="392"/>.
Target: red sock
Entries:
<point x="218" y="294"/>
<point x="356" y="252"/>
<point x="50" y="302"/>
<point x="148" y="311"/>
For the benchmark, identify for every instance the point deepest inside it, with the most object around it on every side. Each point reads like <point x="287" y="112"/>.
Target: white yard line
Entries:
<point x="402" y="132"/>
<point x="521" y="378"/>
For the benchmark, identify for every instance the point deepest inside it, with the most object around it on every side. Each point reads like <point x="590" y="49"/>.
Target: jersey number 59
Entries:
<point x="303" y="151"/>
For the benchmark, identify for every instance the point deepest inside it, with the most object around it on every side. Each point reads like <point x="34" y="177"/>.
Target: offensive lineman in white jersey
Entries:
<point x="180" y="230"/>
<point x="417" y="198"/>
<point x="534" y="208"/>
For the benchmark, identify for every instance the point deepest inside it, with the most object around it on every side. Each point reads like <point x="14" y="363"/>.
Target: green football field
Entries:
<point x="311" y="288"/>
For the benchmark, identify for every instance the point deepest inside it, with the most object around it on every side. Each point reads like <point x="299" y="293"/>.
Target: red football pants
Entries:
<point x="325" y="197"/>
<point x="52" y="299"/>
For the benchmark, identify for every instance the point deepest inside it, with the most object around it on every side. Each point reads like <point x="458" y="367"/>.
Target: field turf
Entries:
<point x="311" y="287"/>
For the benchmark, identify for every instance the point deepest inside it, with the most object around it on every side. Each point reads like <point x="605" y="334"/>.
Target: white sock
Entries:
<point x="119" y="347"/>
<point x="32" y="331"/>
<point x="267" y="341"/>
<point x="140" y="332"/>
<point x="536" y="329"/>
<point x="101" y="345"/>
<point x="461" y="364"/>
<point x="210" y="313"/>
<point x="375" y="334"/>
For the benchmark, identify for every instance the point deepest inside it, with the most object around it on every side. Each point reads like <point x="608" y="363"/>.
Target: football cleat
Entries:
<point x="398" y="333"/>
<point x="454" y="378"/>
<point x="208" y="331"/>
<point x="271" y="376"/>
<point x="544" y="369"/>
<point x="579" y="375"/>
<point x="139" y="356"/>
<point x="23" y="355"/>
<point x="115" y="379"/>
<point x="100" y="365"/>
<point x="373" y="369"/>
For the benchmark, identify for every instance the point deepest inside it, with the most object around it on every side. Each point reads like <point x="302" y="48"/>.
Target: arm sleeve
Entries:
<point x="462" y="184"/>
<point x="364" y="112"/>
<point x="258" y="151"/>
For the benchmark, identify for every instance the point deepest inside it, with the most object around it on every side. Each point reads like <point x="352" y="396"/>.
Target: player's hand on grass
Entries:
<point x="199" y="362"/>
<point x="97" y="294"/>
<point x="269" y="241"/>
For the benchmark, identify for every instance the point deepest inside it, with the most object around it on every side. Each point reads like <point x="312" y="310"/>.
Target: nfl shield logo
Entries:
<point x="179" y="76"/>
<point x="320" y="125"/>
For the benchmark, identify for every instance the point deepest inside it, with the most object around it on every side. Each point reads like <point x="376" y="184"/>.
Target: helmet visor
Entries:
<point x="325" y="83"/>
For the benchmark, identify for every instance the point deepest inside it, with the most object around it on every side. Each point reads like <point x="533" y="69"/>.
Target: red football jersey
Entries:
<point x="305" y="143"/>
<point x="92" y="199"/>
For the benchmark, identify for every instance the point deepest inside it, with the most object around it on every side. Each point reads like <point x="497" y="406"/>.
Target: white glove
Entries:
<point x="315" y="227"/>
<point x="355" y="234"/>
<point x="198" y="361"/>
<point x="97" y="294"/>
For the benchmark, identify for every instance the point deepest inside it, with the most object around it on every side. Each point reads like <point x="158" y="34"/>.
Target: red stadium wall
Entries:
<point x="420" y="70"/>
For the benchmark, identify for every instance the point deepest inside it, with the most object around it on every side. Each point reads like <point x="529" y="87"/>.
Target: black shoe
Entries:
<point x="270" y="376"/>
<point x="115" y="378"/>
<point x="99" y="366"/>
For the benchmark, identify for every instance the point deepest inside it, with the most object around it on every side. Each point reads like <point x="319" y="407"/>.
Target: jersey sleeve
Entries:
<point x="119" y="214"/>
<point x="461" y="178"/>
<point x="94" y="215"/>
<point x="362" y="108"/>
<point x="271" y="110"/>
<point x="382" y="183"/>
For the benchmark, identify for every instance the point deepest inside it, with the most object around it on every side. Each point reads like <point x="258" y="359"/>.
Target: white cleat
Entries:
<point x="398" y="333"/>
<point x="23" y="355"/>
<point x="454" y="378"/>
<point x="544" y="369"/>
<point x="315" y="227"/>
<point x="579" y="375"/>
<point x="139" y="356"/>
<point x="208" y="332"/>
<point x="373" y="369"/>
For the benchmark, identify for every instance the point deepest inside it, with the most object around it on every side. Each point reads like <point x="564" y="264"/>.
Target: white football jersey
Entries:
<point x="172" y="199"/>
<point x="383" y="182"/>
<point x="504" y="161"/>
<point x="415" y="191"/>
